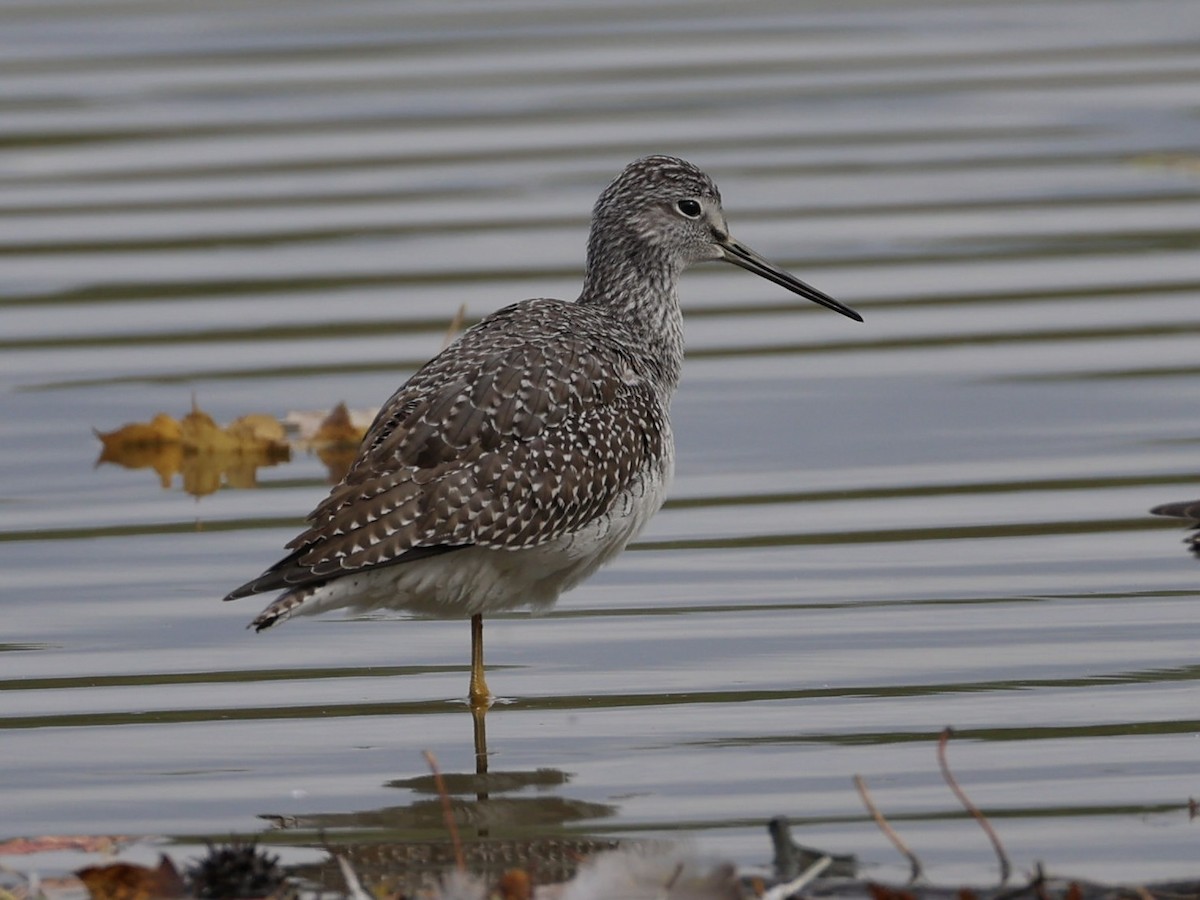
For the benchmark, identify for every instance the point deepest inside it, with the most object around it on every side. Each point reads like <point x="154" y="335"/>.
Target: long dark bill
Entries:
<point x="741" y="255"/>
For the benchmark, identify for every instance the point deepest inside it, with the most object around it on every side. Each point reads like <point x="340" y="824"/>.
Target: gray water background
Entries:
<point x="938" y="517"/>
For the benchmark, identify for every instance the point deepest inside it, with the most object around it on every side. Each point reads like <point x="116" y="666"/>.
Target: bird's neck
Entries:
<point x="639" y="290"/>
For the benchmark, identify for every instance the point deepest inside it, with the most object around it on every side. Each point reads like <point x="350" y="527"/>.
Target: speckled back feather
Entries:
<point x="523" y="430"/>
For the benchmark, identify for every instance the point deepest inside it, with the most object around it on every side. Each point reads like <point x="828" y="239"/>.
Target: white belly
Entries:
<point x="485" y="580"/>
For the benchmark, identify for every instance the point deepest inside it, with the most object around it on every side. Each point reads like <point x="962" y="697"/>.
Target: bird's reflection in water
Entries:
<point x="479" y="722"/>
<point x="505" y="819"/>
<point x="482" y="804"/>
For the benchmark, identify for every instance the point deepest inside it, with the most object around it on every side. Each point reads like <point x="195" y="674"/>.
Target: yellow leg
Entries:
<point x="480" y="696"/>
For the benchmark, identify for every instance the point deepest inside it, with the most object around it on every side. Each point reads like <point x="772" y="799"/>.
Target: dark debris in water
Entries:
<point x="546" y="869"/>
<point x="1189" y="512"/>
<point x="415" y="868"/>
<point x="235" y="870"/>
<point x="582" y="868"/>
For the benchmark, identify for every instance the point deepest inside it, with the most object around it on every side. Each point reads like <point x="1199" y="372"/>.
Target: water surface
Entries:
<point x="938" y="517"/>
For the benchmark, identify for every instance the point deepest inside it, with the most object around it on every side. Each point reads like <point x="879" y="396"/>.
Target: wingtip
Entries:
<point x="257" y="585"/>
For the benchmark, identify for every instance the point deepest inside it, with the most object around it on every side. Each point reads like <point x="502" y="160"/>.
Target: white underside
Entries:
<point x="484" y="580"/>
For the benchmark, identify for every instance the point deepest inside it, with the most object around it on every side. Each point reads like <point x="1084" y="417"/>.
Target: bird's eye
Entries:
<point x="690" y="208"/>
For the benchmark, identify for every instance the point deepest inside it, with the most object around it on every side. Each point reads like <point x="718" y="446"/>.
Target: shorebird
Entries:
<point x="531" y="450"/>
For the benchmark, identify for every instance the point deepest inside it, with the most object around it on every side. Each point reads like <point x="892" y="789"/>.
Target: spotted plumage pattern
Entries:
<point x="521" y="432"/>
<point x="537" y="445"/>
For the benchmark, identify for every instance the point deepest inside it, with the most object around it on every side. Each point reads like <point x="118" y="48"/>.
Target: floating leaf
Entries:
<point x="338" y="430"/>
<point x="515" y="884"/>
<point x="336" y="442"/>
<point x="162" y="429"/>
<point x="207" y="455"/>
<point x="126" y="881"/>
<point x="258" y="428"/>
<point x="103" y="843"/>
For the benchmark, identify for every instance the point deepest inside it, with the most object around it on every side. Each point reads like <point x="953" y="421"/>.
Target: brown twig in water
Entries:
<point x="447" y="812"/>
<point x="971" y="807"/>
<point x="354" y="888"/>
<point x="888" y="832"/>
<point x="798" y="884"/>
<point x="674" y="877"/>
<point x="1039" y="882"/>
